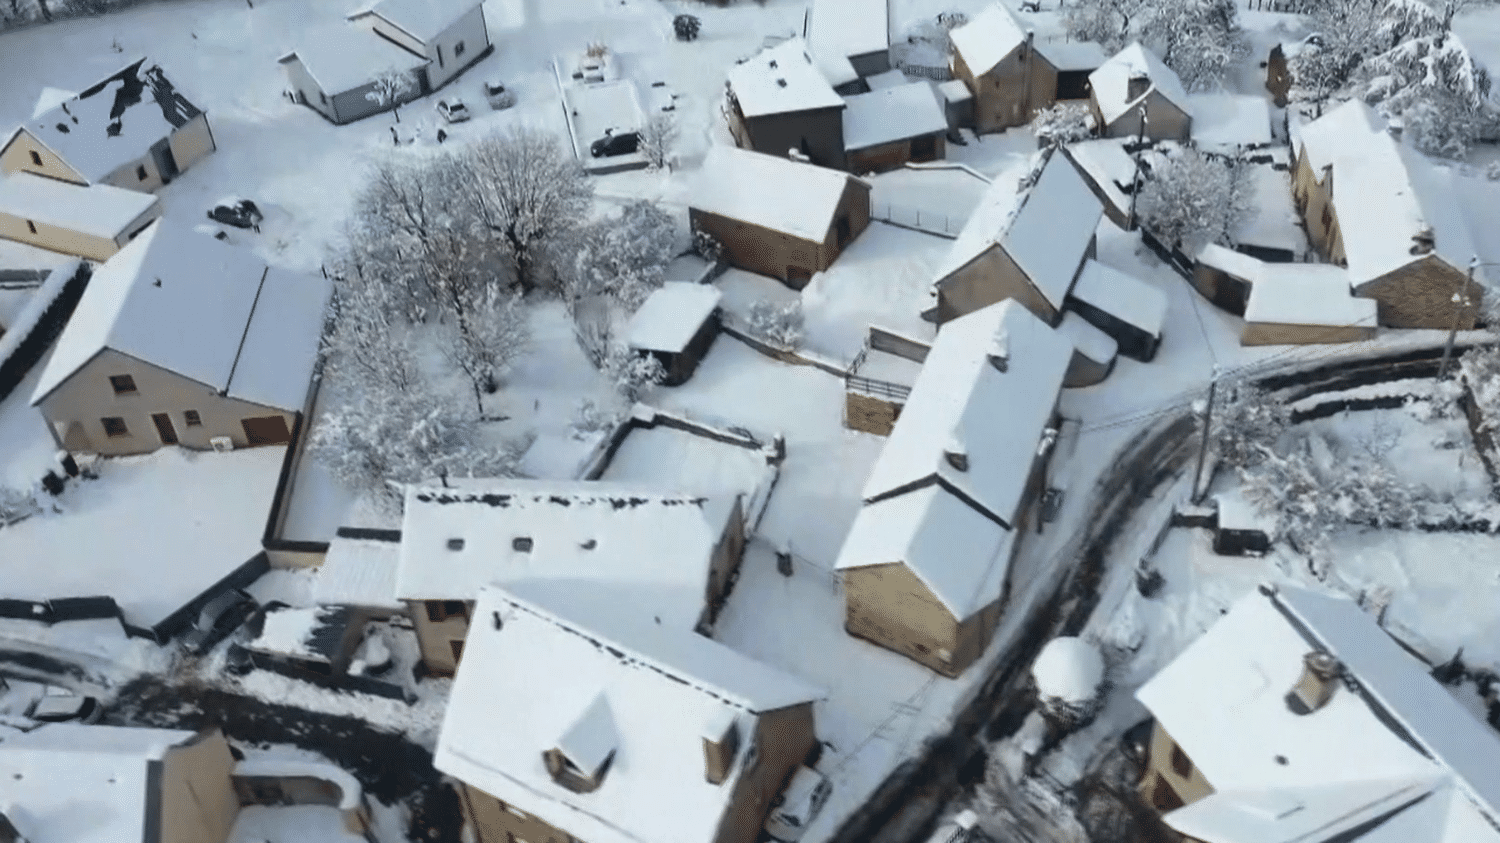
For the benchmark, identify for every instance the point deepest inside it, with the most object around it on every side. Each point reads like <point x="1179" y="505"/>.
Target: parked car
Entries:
<point x="60" y="704"/>
<point x="797" y="805"/>
<point x="240" y="213"/>
<point x="218" y="617"/>
<point x="453" y="110"/>
<point x="613" y="144"/>
<point x="498" y="97"/>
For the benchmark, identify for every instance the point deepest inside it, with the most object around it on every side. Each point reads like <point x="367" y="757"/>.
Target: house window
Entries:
<point x="1163" y="797"/>
<point x="114" y="426"/>
<point x="1180" y="763"/>
<point x="457" y="647"/>
<point x="31" y="226"/>
<point x="441" y="610"/>
<point x="458" y="49"/>
<point x="36" y="158"/>
<point x="123" y="384"/>
<point x="440" y="55"/>
<point x="192" y="418"/>
<point x="140" y="172"/>
<point x="1327" y="216"/>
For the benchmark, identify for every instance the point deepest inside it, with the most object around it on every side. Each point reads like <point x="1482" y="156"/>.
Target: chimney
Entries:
<point x="1137" y="86"/>
<point x="1422" y="242"/>
<point x="1315" y="687"/>
<point x="956" y="454"/>
<point x="999" y="353"/>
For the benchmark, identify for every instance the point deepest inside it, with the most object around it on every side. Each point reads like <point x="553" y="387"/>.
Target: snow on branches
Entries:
<point x="486" y="339"/>
<point x="778" y="323"/>
<point x="624" y="257"/>
<point x="629" y="373"/>
<point x="1201" y="40"/>
<point x="390" y="87"/>
<point x="1246" y="425"/>
<point x="1064" y="122"/>
<point x="1192" y="200"/>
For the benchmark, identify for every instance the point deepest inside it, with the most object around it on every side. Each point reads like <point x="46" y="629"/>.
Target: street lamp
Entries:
<point x="1140" y="142"/>
<point x="1460" y="301"/>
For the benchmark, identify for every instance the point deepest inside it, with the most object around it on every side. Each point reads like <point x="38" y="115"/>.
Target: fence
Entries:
<point x="1180" y="263"/>
<point x="1277" y="6"/>
<point x="925" y="71"/>
<point x="880" y="389"/>
<point x="930" y="222"/>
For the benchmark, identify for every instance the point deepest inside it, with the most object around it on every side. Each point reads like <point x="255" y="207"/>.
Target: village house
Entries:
<point x="855" y="33"/>
<point x="615" y="728"/>
<point x="675" y="554"/>
<point x="1028" y="246"/>
<point x="778" y="102"/>
<point x="776" y="216"/>
<point x="133" y="129"/>
<point x="676" y="324"/>
<point x="89" y="221"/>
<point x="1129" y="310"/>
<point x="1110" y="172"/>
<point x="1380" y="209"/>
<point x="888" y="127"/>
<point x="1296" y="717"/>
<point x="1224" y="276"/>
<point x="926" y="564"/>
<point x="72" y="783"/>
<point x="1094" y="352"/>
<point x="450" y="34"/>
<point x="1135" y="79"/>
<point x="333" y="72"/>
<point x="1011" y="74"/>
<point x="1295" y="303"/>
<point x="182" y="339"/>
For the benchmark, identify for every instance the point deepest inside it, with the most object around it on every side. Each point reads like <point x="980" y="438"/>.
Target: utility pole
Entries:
<point x="1140" y="141"/>
<point x="1208" y="417"/>
<point x="1460" y="299"/>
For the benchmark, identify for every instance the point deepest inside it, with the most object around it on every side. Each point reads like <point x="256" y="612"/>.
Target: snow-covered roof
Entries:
<point x="99" y="210"/>
<point x="1278" y="775"/>
<point x="961" y="555"/>
<point x="49" y="99"/>
<point x="836" y="69"/>
<point x="671" y="315"/>
<point x="1106" y="163"/>
<point x="114" y="121"/>
<point x="769" y="191"/>
<point x="1230" y="262"/>
<point x="424" y="20"/>
<point x="1273" y="222"/>
<point x="1068" y="668"/>
<point x="1071" y="55"/>
<point x="357" y="572"/>
<point x="1111" y="82"/>
<point x="311" y="632"/>
<point x="1307" y="294"/>
<point x="849" y="27"/>
<point x="203" y="309"/>
<point x="955" y="90"/>
<point x="962" y="399"/>
<point x="1237" y="513"/>
<point x="1087" y="339"/>
<point x="893" y="78"/>
<point x="341" y="58"/>
<point x="1122" y="296"/>
<point x="779" y="80"/>
<point x="71" y="783"/>
<point x="579" y="531"/>
<point x="988" y="38"/>
<point x="554" y="651"/>
<point x="1351" y="127"/>
<point x="1046" y="231"/>
<point x="1222" y="121"/>
<point x="892" y="114"/>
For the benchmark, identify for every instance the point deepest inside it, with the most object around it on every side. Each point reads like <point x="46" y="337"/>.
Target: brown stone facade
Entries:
<point x="870" y="414"/>
<point x="1420" y="295"/>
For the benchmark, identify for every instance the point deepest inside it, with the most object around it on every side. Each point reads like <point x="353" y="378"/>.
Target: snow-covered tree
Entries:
<point x="526" y="195"/>
<point x="656" y="140"/>
<point x="628" y="372"/>
<point x="1069" y="677"/>
<point x="686" y="27"/>
<point x="779" y="323"/>
<point x="624" y="257"/>
<point x="1201" y="40"/>
<point x="486" y="339"/>
<point x="1479" y="370"/>
<point x="1191" y="200"/>
<point x="17" y="505"/>
<point x="367" y="343"/>
<point x="707" y="246"/>
<point x="1246" y="424"/>
<point x="390" y="87"/>
<point x="1064" y="122"/>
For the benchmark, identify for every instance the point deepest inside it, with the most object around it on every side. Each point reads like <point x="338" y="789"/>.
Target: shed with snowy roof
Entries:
<point x="615" y="729"/>
<point x="925" y="566"/>
<point x="886" y="128"/>
<point x="1130" y="310"/>
<point x="1028" y="246"/>
<point x="672" y="555"/>
<point x="1094" y="351"/>
<point x="181" y="339"/>
<point x="334" y="67"/>
<point x="1224" y="276"/>
<point x="133" y="129"/>
<point x="72" y="783"/>
<point x="1013" y="74"/>
<point x="676" y="324"/>
<point x="1133" y="80"/>
<point x="450" y="34"/>
<point x="89" y="221"/>
<point x="775" y="216"/>
<point x="779" y="101"/>
<point x="1297" y="718"/>
<point x="1379" y="208"/>
<point x="1294" y="303"/>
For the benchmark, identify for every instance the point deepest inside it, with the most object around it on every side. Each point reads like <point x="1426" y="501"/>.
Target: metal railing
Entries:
<point x="878" y="388"/>
<point x="931" y="222"/>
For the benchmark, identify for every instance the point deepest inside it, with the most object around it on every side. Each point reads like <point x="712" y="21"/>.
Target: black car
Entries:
<point x="218" y="617"/>
<point x="240" y="213"/>
<point x="615" y="144"/>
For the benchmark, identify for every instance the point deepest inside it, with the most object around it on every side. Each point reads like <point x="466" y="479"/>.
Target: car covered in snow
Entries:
<point x="453" y="110"/>
<point x="220" y="616"/>
<point x="240" y="213"/>
<point x="57" y="705"/>
<point x="797" y="805"/>
<point x="615" y="143"/>
<point x="497" y="95"/>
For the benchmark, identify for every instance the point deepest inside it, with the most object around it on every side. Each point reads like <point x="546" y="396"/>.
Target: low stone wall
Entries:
<point x="870" y="414"/>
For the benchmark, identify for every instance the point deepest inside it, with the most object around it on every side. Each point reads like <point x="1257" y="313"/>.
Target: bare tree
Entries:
<point x="525" y="194"/>
<point x="366" y="342"/>
<point x="389" y="87"/>
<point x="657" y="137"/>
<point x="486" y="339"/>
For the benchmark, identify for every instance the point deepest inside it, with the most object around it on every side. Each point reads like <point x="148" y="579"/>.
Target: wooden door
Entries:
<point x="164" y="428"/>
<point x="266" y="430"/>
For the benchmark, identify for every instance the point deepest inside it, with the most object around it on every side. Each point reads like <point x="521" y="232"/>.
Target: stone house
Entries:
<point x="133" y="130"/>
<point x="679" y="552"/>
<point x="1028" y="246"/>
<point x="180" y="339"/>
<point x="1132" y="312"/>
<point x="1131" y="80"/>
<point x="616" y="728"/>
<point x="886" y="128"/>
<point x="776" y="216"/>
<point x="925" y="564"/>
<point x="1013" y="74"/>
<point x="333" y="72"/>
<point x="852" y="32"/>
<point x="779" y="100"/>
<point x="1297" y="717"/>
